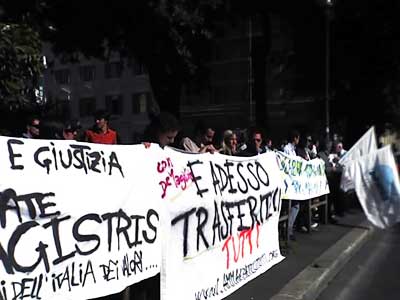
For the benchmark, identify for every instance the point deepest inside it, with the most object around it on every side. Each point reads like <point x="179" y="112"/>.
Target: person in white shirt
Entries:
<point x="339" y="150"/>
<point x="202" y="141"/>
<point x="290" y="149"/>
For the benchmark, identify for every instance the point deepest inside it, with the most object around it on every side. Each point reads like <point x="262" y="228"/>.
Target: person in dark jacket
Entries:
<point x="162" y="130"/>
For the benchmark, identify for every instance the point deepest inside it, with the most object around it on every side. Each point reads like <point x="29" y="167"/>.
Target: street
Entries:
<point x="372" y="273"/>
<point x="301" y="254"/>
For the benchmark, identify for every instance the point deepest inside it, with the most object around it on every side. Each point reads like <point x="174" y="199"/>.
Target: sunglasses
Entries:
<point x="257" y="140"/>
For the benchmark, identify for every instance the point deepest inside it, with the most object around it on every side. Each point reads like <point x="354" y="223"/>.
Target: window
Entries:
<point x="87" y="106"/>
<point x="62" y="76"/>
<point x="87" y="73"/>
<point x="140" y="102"/>
<point x="113" y="70"/>
<point x="139" y="69"/>
<point x="114" y="104"/>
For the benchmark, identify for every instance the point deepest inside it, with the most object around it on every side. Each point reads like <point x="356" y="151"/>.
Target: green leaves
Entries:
<point x="20" y="63"/>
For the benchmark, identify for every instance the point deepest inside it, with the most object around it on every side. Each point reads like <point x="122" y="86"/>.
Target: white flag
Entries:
<point x="376" y="181"/>
<point x="365" y="145"/>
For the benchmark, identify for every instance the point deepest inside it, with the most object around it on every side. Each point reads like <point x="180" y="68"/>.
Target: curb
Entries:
<point x="310" y="282"/>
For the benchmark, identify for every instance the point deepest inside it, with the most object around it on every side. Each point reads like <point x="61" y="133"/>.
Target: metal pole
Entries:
<point x="250" y="84"/>
<point x="327" y="73"/>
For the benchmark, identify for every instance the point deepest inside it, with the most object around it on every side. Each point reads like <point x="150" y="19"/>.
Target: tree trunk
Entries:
<point x="166" y="89"/>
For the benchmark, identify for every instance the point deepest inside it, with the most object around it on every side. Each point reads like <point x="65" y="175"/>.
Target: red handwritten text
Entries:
<point x="172" y="179"/>
<point x="238" y="245"/>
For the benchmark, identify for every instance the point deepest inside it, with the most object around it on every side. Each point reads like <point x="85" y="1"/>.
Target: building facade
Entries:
<point x="77" y="90"/>
<point x="227" y="100"/>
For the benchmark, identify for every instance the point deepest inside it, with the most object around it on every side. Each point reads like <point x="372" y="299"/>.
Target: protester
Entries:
<point x="336" y="193"/>
<point x="301" y="150"/>
<point x="32" y="128"/>
<point x="162" y="129"/>
<point x="332" y="177"/>
<point x="268" y="144"/>
<point x="229" y="143"/>
<point x="71" y="129"/>
<point x="290" y="149"/>
<point x="101" y="133"/>
<point x="202" y="141"/>
<point x="255" y="145"/>
<point x="390" y="136"/>
<point x="340" y="152"/>
<point x="311" y="147"/>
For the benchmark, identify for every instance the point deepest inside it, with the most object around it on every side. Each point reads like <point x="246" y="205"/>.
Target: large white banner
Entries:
<point x="376" y="181"/>
<point x="303" y="179"/>
<point x="77" y="220"/>
<point x="364" y="146"/>
<point x="223" y="213"/>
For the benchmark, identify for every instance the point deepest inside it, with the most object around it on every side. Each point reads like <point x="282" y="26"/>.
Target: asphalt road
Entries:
<point x="300" y="254"/>
<point x="373" y="273"/>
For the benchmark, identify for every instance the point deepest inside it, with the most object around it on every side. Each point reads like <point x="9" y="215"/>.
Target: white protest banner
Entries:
<point x="377" y="186"/>
<point x="365" y="145"/>
<point x="77" y="220"/>
<point x="303" y="179"/>
<point x="223" y="231"/>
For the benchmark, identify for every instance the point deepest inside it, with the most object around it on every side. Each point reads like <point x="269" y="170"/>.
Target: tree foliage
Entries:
<point x="169" y="37"/>
<point x="172" y="38"/>
<point x="20" y="63"/>
<point x="366" y="60"/>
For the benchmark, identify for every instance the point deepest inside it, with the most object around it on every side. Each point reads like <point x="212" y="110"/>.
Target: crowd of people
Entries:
<point x="164" y="129"/>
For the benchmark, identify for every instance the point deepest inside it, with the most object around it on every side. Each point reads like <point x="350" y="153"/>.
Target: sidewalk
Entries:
<point x="311" y="261"/>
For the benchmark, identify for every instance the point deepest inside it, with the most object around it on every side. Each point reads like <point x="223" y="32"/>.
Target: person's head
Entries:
<point x="101" y="118"/>
<point x="162" y="129"/>
<point x="309" y="141"/>
<point x="208" y="136"/>
<point x="339" y="147"/>
<point x="204" y="134"/>
<point x="294" y="137"/>
<point x="257" y="139"/>
<point x="70" y="130"/>
<point x="33" y="127"/>
<point x="230" y="139"/>
<point x="268" y="143"/>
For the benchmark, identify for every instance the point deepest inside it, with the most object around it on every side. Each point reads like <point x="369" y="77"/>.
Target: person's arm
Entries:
<point x="189" y="146"/>
<point x="207" y="148"/>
